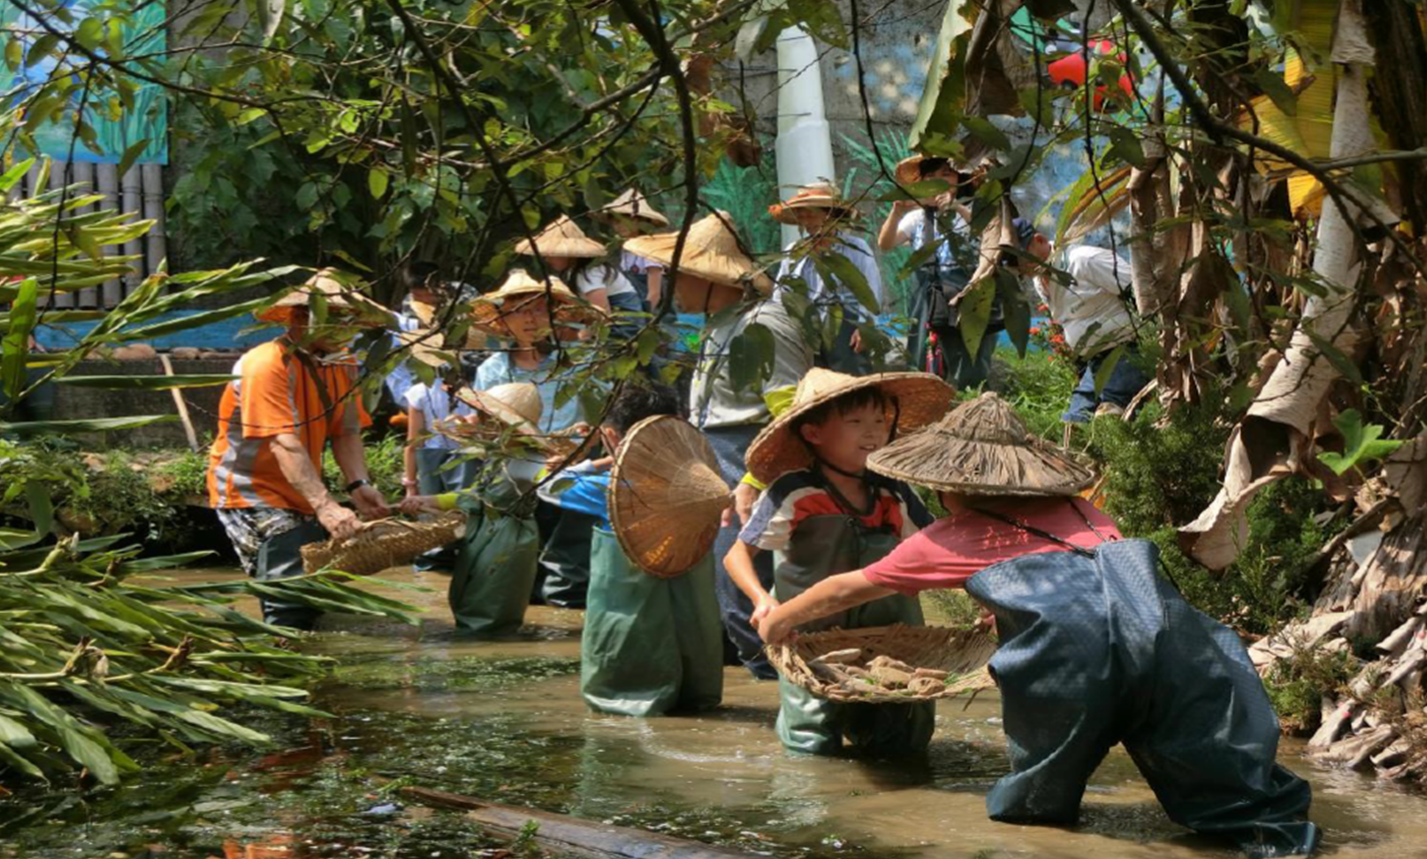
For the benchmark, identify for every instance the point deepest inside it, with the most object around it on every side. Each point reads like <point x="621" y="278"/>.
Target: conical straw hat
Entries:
<point x="666" y="496"/>
<point x="909" y="170"/>
<point x="982" y="448"/>
<point x="821" y="195"/>
<point x="427" y="347"/>
<point x="519" y="287"/>
<point x="917" y="400"/>
<point x="632" y="204"/>
<point x="334" y="292"/>
<point x="711" y="251"/>
<point x="563" y="238"/>
<point x="515" y="404"/>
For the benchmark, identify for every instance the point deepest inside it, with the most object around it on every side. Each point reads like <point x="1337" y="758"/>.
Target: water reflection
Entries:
<point x="504" y="721"/>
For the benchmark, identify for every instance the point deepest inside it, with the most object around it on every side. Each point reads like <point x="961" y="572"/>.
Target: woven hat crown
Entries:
<point x="521" y="398"/>
<point x="988" y="418"/>
<point x="711" y="250"/>
<point x="817" y="383"/>
<point x="562" y="238"/>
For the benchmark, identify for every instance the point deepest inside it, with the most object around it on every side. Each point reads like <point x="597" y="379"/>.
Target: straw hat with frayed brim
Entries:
<point x="426" y="314"/>
<point x="520" y="288"/>
<point x="516" y="405"/>
<point x="563" y="238"/>
<point x="632" y="204"/>
<point x="334" y="293"/>
<point x="711" y="251"/>
<point x="820" y="196"/>
<point x="666" y="496"/>
<point x="917" y="399"/>
<point x="982" y="448"/>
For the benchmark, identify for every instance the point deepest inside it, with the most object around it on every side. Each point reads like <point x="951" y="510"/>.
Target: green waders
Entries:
<point x="824" y="546"/>
<point x="650" y="645"/>
<point x="496" y="567"/>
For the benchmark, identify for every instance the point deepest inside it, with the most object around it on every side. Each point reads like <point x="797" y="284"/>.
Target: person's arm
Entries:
<point x="414" y="429"/>
<point x="297" y="467"/>
<point x="654" y="276"/>
<point x="890" y="235"/>
<point x="829" y="596"/>
<point x="739" y="565"/>
<point x="352" y="459"/>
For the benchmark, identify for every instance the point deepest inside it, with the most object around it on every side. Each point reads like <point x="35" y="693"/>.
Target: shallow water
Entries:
<point x="504" y="721"/>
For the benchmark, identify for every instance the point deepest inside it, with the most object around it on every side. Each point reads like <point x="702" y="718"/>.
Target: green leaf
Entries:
<point x="40" y="49"/>
<point x="1126" y="146"/>
<point x="147" y="383"/>
<point x="944" y="92"/>
<point x="15" y="174"/>
<point x="89" y="33"/>
<point x="377" y="181"/>
<point x="131" y="154"/>
<point x="88" y="754"/>
<point x="974" y="312"/>
<point x="14" y="759"/>
<point x="847" y="274"/>
<point x="982" y="129"/>
<point x="1342" y="363"/>
<point x="1102" y="375"/>
<point x="916" y="190"/>
<point x="37" y="497"/>
<point x="1277" y="89"/>
<point x="750" y="357"/>
<point x="27" y="428"/>
<point x="1361" y="444"/>
<point x="15" y="347"/>
<point x="16" y="735"/>
<point x="14" y="53"/>
<point x="1016" y="309"/>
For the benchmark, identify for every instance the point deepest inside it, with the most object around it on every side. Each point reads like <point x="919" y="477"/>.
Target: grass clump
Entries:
<point x="1296" y="685"/>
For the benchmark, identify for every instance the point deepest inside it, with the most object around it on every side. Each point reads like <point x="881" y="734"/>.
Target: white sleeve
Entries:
<point x="414" y="395"/>
<point x="909" y="225"/>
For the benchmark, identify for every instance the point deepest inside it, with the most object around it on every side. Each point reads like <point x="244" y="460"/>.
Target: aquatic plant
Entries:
<point x="89" y="640"/>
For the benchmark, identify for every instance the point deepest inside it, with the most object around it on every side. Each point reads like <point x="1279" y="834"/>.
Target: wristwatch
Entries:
<point x="356" y="484"/>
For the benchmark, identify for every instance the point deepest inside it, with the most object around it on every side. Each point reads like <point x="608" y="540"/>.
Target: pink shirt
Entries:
<point x="951" y="550"/>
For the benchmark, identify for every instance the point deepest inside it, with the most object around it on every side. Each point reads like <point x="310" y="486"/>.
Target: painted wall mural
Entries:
<point x="116" y="128"/>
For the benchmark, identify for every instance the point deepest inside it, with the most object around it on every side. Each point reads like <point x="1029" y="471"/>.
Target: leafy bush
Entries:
<point x="1158" y="474"/>
<point x="1038" y="386"/>
<point x="1296" y="685"/>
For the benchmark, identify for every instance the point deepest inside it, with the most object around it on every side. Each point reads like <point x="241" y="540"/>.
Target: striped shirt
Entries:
<point x="278" y="393"/>
<point x="798" y="495"/>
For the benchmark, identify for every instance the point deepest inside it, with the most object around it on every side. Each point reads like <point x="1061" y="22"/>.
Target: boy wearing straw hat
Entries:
<point x="824" y="514"/>
<point x="496" y="568"/>
<point x="716" y="278"/>
<point x="529" y="314"/>
<point x="1096" y="649"/>
<point x="827" y="220"/>
<point x="293" y="396"/>
<point x="652" y="640"/>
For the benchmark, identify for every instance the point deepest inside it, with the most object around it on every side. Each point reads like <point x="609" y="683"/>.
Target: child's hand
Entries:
<point x="415" y="505"/>
<point x="986" y="621"/>
<point x="775" y="629"/>
<point x="765" y="606"/>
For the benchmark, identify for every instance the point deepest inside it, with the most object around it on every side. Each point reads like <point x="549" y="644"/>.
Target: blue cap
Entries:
<point x="1025" y="231"/>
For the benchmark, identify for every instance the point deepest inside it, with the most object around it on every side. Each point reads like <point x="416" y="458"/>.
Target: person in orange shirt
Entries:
<point x="292" y="396"/>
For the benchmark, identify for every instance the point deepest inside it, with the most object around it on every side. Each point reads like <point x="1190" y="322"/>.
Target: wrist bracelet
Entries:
<point x="356" y="484"/>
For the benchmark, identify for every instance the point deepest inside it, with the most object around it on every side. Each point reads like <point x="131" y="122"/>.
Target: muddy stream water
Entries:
<point x="504" y="721"/>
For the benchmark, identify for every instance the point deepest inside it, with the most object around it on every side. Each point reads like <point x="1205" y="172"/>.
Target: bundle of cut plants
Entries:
<point x="887" y="664"/>
<point x="383" y="544"/>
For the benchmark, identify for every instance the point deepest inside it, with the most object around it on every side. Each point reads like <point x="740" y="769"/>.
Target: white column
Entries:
<point x="804" y="145"/>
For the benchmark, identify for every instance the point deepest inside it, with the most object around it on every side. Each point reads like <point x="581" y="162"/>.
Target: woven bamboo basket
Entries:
<point x="962" y="654"/>
<point x="383" y="544"/>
